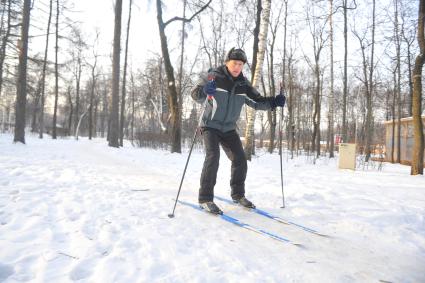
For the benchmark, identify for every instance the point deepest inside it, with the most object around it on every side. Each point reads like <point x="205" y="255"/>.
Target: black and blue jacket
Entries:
<point x="224" y="109"/>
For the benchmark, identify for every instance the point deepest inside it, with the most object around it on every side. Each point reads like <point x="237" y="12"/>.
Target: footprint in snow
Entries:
<point x="83" y="270"/>
<point x="5" y="271"/>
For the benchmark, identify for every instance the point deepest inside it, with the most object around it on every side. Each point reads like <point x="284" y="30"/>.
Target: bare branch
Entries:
<point x="185" y="19"/>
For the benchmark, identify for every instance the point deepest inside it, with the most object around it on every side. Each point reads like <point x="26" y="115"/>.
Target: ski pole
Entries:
<point x="210" y="78"/>
<point x="280" y="149"/>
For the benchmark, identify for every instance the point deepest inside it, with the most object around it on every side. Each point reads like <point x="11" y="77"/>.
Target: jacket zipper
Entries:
<point x="227" y="107"/>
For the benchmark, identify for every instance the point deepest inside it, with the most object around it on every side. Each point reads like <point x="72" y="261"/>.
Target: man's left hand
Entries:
<point x="279" y="100"/>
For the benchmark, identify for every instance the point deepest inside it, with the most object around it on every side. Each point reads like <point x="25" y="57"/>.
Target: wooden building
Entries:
<point x="406" y="139"/>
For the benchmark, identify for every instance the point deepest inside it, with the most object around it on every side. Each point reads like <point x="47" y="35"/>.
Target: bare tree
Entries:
<point x="214" y="45"/>
<point x="345" y="78"/>
<point x="367" y="79"/>
<point x="77" y="48"/>
<point x="397" y="81"/>
<point x="43" y="75"/>
<point x="5" y="40"/>
<point x="369" y="93"/>
<point x="93" y="85"/>
<point x="55" y="108"/>
<point x="418" y="136"/>
<point x="113" y="132"/>
<point x="21" y="87"/>
<point x="272" y="84"/>
<point x="283" y="86"/>
<point x="71" y="107"/>
<point x="173" y="99"/>
<point x="133" y="101"/>
<point x="124" y="77"/>
<point x="317" y="31"/>
<point x="331" y="99"/>
<point x="408" y="36"/>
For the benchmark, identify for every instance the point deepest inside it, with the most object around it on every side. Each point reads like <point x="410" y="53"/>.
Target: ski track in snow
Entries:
<point x="80" y="211"/>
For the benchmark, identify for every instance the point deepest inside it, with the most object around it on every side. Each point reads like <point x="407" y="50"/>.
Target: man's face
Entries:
<point x="235" y="67"/>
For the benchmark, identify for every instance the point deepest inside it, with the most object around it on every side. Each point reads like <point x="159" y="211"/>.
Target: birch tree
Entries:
<point x="249" y="131"/>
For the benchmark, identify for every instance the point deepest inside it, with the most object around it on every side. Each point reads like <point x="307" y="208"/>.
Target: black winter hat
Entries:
<point x="236" y="54"/>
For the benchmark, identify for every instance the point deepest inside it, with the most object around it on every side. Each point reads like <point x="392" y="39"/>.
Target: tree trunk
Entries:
<point x="132" y="107"/>
<point x="124" y="78"/>
<point x="398" y="78"/>
<point x="418" y="136"/>
<point x="272" y="85"/>
<point x="283" y="86"/>
<point x="174" y="109"/>
<point x="180" y="78"/>
<point x="331" y="99"/>
<point x="393" y="117"/>
<point x="345" y="80"/>
<point x="43" y="75"/>
<point x="250" y="138"/>
<point x="113" y="132"/>
<point x="316" y="114"/>
<point x="256" y="38"/>
<point x="71" y="112"/>
<point x="291" y="106"/>
<point x="4" y="42"/>
<point x="249" y="132"/>
<point x="21" y="87"/>
<point x="35" y="107"/>
<point x="369" y="117"/>
<point x="92" y="90"/>
<point x="104" y="121"/>
<point x="173" y="99"/>
<point x="78" y="72"/>
<point x="55" y="109"/>
<point x="409" y="67"/>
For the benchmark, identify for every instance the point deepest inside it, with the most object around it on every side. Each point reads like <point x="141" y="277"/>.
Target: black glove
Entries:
<point x="209" y="88"/>
<point x="279" y="100"/>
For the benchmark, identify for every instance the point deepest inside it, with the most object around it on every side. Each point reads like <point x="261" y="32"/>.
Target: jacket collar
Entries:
<point x="223" y="69"/>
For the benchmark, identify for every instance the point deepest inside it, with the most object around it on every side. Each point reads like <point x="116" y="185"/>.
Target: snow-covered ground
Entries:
<point x="82" y="211"/>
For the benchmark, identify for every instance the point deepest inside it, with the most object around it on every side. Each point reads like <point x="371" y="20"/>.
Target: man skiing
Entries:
<point x="227" y="90"/>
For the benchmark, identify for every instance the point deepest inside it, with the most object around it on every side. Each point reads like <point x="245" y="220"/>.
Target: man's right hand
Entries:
<point x="210" y="88"/>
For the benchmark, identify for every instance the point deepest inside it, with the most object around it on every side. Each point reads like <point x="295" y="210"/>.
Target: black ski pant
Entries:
<point x="232" y="146"/>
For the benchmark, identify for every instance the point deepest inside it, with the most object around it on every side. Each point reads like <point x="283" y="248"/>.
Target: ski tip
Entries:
<point x="301" y="246"/>
<point x="323" y="235"/>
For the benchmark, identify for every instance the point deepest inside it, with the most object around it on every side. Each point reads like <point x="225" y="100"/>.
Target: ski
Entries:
<point x="276" y="218"/>
<point x="247" y="226"/>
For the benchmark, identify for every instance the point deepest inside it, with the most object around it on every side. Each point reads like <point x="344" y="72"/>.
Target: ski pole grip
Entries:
<point x="211" y="77"/>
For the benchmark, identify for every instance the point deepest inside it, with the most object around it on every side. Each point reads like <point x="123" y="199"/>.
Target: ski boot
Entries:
<point x="211" y="207"/>
<point x="244" y="202"/>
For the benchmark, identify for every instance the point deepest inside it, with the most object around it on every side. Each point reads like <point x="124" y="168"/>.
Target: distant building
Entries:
<point x="406" y="139"/>
<point x="60" y="131"/>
